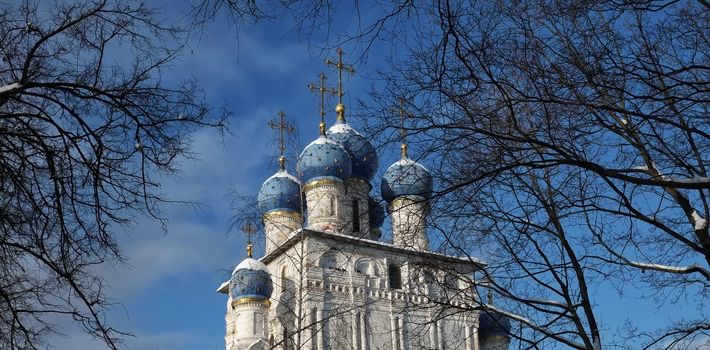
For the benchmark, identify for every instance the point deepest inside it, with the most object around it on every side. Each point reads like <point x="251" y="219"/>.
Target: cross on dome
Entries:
<point x="322" y="89"/>
<point x="340" y="66"/>
<point x="284" y="128"/>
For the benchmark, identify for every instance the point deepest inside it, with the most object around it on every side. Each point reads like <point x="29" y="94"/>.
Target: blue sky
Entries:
<point x="166" y="294"/>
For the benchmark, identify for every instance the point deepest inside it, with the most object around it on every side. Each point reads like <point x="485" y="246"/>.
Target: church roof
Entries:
<point x="430" y="256"/>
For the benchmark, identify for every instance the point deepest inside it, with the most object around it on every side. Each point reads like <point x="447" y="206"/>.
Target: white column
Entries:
<point x="354" y="329"/>
<point x="469" y="336"/>
<point x="393" y="332"/>
<point x="403" y="344"/>
<point x="363" y="332"/>
<point x="320" y="329"/>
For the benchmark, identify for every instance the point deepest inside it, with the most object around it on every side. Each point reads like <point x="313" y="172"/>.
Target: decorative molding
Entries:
<point x="294" y="215"/>
<point x="251" y="301"/>
<point x="322" y="183"/>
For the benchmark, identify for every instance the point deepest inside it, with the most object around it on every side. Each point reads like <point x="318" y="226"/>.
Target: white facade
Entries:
<point x="335" y="286"/>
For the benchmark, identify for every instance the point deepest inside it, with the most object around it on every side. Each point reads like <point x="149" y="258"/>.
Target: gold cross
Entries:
<point x="283" y="128"/>
<point x="249" y="230"/>
<point x="322" y="89"/>
<point x="340" y="66"/>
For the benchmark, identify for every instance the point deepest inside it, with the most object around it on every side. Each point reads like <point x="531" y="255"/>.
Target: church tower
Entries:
<point x="279" y="199"/>
<point x="407" y="187"/>
<point x="250" y="288"/>
<point x="338" y="284"/>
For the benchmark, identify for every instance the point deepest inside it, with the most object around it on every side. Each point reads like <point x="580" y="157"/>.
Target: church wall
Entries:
<point x="346" y="291"/>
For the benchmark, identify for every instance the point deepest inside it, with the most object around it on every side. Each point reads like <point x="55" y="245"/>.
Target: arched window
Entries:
<point x="332" y="205"/>
<point x="356" y="215"/>
<point x="395" y="276"/>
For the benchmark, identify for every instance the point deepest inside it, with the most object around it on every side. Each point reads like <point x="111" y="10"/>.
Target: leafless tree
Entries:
<point x="570" y="140"/>
<point x="87" y="129"/>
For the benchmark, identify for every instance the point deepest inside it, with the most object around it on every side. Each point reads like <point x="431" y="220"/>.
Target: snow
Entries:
<point x="284" y="173"/>
<point x="641" y="168"/>
<point x="223" y="288"/>
<point x="407" y="161"/>
<point x="251" y="264"/>
<point x="700" y="222"/>
<point x="666" y="268"/>
<point x="690" y="180"/>
<point x="10" y="87"/>
<point x="322" y="140"/>
<point x="624" y="121"/>
<point x="342" y="129"/>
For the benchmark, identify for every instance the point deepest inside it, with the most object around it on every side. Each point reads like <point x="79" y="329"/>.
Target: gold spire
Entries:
<point x="402" y="133"/>
<point x="283" y="128"/>
<point x="340" y="66"/>
<point x="322" y="89"/>
<point x="249" y="230"/>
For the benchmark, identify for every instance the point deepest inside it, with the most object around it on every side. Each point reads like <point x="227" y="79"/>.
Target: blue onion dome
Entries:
<point x="363" y="155"/>
<point x="493" y="324"/>
<point x="282" y="191"/>
<point x="324" y="158"/>
<point x="250" y="279"/>
<point x="406" y="178"/>
<point x="376" y="213"/>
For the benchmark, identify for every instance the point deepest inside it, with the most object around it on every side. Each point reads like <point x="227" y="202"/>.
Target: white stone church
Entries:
<point x="327" y="281"/>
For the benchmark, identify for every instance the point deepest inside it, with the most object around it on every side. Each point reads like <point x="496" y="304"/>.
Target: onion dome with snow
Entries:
<point x="251" y="280"/>
<point x="406" y="178"/>
<point x="282" y="191"/>
<point x="362" y="154"/>
<point x="324" y="158"/>
<point x="494" y="330"/>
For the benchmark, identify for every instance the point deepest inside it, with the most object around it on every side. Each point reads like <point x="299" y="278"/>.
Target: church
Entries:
<point x="327" y="280"/>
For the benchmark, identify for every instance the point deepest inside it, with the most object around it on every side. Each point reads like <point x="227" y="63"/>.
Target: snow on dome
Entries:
<point x="324" y="158"/>
<point x="343" y="128"/>
<point x="408" y="161"/>
<point x="250" y="264"/>
<point x="284" y="174"/>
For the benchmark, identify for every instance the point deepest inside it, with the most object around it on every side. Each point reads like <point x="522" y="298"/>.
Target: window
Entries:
<point x="258" y="323"/>
<point x="356" y="215"/>
<point x="395" y="276"/>
<point x="332" y="205"/>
